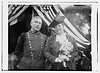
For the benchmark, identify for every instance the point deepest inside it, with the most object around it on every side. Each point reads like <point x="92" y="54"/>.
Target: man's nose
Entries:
<point x="38" y="23"/>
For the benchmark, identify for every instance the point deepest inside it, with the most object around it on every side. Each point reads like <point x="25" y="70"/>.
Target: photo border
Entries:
<point x="94" y="31"/>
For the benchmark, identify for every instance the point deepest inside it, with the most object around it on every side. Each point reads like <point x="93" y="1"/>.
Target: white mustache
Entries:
<point x="37" y="26"/>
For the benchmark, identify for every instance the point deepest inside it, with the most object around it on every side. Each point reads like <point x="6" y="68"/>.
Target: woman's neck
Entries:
<point x="59" y="34"/>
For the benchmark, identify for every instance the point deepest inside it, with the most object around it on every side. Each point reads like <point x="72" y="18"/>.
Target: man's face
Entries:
<point x="36" y="24"/>
<point x="59" y="28"/>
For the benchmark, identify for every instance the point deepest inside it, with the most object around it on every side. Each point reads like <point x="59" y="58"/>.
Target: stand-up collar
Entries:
<point x="33" y="32"/>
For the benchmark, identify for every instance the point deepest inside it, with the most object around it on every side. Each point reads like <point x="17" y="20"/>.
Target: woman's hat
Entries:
<point x="57" y="20"/>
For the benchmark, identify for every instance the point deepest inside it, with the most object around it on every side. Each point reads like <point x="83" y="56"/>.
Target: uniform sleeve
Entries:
<point x="19" y="47"/>
<point x="74" y="54"/>
<point x="47" y="52"/>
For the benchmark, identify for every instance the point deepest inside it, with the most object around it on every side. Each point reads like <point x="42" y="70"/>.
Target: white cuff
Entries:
<point x="57" y="60"/>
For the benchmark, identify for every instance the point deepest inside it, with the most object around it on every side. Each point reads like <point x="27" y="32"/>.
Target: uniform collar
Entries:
<point x="34" y="32"/>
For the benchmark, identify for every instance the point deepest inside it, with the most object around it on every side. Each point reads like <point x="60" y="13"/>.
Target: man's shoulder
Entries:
<point x="43" y="35"/>
<point x="22" y="34"/>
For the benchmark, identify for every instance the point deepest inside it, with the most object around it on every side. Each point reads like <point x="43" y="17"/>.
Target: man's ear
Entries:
<point x="31" y="24"/>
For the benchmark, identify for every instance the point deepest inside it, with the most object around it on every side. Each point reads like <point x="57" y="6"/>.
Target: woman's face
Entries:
<point x="59" y="28"/>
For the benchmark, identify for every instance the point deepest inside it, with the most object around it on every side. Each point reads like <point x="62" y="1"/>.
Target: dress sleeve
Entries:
<point x="74" y="54"/>
<point x="47" y="52"/>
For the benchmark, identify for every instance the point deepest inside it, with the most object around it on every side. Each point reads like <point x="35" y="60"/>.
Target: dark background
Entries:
<point x="23" y="25"/>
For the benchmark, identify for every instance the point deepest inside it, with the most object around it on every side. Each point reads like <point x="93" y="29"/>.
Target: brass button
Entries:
<point x="31" y="52"/>
<point x="32" y="55"/>
<point x="41" y="37"/>
<point x="30" y="44"/>
<point x="28" y="37"/>
<point x="41" y="42"/>
<point x="30" y="47"/>
<point x="17" y="66"/>
<point x="29" y="41"/>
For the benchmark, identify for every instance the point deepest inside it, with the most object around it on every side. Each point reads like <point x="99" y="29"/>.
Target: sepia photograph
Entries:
<point x="51" y="36"/>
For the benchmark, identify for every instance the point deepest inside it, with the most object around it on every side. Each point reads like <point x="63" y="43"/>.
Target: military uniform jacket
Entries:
<point x="30" y="50"/>
<point x="51" y="51"/>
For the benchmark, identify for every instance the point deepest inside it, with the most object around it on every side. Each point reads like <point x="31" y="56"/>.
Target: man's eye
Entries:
<point x="40" y="23"/>
<point x="36" y="21"/>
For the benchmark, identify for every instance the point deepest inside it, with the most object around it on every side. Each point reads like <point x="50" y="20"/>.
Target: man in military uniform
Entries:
<point x="30" y="47"/>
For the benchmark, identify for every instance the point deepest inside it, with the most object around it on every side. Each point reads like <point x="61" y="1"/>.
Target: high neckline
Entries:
<point x="61" y="34"/>
<point x="32" y="31"/>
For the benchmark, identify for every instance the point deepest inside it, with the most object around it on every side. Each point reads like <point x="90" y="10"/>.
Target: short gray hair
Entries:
<point x="35" y="17"/>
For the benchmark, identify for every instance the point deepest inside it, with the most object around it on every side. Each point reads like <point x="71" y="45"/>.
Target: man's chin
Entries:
<point x="37" y="29"/>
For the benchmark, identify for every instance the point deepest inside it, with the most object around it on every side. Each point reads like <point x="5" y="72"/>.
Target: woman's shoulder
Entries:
<point x="70" y="37"/>
<point x="51" y="37"/>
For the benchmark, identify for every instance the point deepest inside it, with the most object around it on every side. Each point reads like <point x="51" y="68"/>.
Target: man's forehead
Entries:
<point x="36" y="18"/>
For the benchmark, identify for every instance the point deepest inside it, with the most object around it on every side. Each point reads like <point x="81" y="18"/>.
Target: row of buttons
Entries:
<point x="30" y="42"/>
<point x="31" y="45"/>
<point x="41" y="42"/>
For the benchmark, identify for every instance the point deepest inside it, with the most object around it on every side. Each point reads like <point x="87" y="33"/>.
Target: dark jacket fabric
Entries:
<point x="30" y="50"/>
<point x="52" y="51"/>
